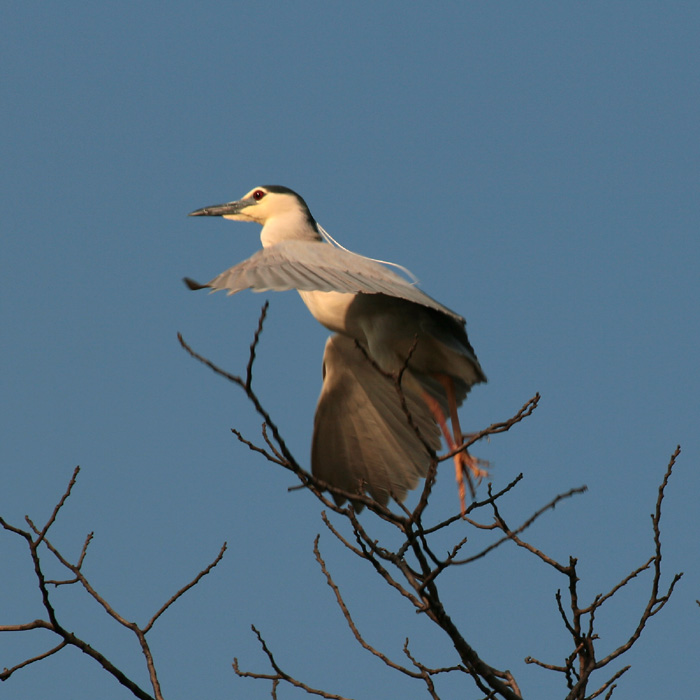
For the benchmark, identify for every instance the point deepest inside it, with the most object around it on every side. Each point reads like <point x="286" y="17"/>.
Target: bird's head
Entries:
<point x="282" y="212"/>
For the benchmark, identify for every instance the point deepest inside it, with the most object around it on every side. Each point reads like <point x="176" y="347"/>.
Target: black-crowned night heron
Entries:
<point x="362" y="440"/>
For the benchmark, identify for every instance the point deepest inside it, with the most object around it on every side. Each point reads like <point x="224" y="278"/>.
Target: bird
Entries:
<point x="382" y="324"/>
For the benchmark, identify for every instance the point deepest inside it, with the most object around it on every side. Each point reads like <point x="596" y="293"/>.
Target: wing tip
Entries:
<point x="193" y="285"/>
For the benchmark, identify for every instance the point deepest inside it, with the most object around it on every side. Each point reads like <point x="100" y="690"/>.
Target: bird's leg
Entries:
<point x="460" y="471"/>
<point x="459" y="459"/>
<point x="466" y="466"/>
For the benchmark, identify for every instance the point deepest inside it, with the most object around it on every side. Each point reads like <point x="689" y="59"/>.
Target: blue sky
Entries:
<point x="536" y="165"/>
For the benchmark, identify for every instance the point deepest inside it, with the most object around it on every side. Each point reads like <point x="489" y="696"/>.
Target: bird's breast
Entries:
<point x="330" y="309"/>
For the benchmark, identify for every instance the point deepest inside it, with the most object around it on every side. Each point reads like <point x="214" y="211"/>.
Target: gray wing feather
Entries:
<point x="315" y="266"/>
<point x="362" y="438"/>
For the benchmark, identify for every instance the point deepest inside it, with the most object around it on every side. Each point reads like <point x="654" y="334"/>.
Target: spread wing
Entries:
<point x="316" y="266"/>
<point x="362" y="438"/>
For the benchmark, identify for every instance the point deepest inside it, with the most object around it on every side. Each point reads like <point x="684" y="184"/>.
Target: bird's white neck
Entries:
<point x="292" y="225"/>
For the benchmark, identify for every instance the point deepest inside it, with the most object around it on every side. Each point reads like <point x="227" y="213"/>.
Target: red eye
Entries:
<point x="258" y="195"/>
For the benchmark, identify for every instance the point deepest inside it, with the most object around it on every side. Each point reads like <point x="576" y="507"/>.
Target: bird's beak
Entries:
<point x="229" y="210"/>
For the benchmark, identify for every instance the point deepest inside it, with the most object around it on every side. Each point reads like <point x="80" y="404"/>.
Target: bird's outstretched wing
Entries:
<point x="316" y="266"/>
<point x="362" y="438"/>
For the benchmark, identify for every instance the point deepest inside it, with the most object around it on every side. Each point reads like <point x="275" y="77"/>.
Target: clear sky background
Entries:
<point x="536" y="165"/>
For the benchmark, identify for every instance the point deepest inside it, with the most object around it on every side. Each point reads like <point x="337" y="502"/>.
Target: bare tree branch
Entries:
<point x="351" y="623"/>
<point x="412" y="564"/>
<point x="9" y="671"/>
<point x="37" y="537"/>
<point x="419" y="567"/>
<point x="656" y="602"/>
<point x="279" y="674"/>
<point x="185" y="588"/>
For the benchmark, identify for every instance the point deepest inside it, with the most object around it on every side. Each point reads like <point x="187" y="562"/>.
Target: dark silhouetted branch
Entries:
<point x="37" y="538"/>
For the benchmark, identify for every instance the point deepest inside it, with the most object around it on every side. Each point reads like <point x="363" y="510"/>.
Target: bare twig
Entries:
<point x="58" y="507"/>
<point x="279" y="674"/>
<point x="351" y="623"/>
<point x="526" y="410"/>
<point x="185" y="588"/>
<point x="609" y="685"/>
<point x="427" y="673"/>
<point x="9" y="671"/>
<point x="656" y="601"/>
<point x="254" y="448"/>
<point x="247" y="388"/>
<point x="254" y="345"/>
<point x="513" y="534"/>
